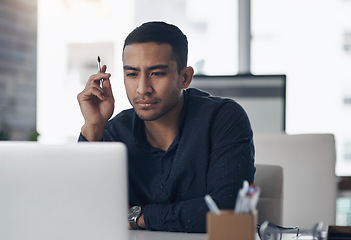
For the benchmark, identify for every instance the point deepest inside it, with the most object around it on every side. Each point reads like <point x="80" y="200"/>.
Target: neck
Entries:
<point x="161" y="132"/>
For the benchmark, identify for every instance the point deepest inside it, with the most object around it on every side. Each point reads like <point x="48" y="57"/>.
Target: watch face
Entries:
<point x="134" y="212"/>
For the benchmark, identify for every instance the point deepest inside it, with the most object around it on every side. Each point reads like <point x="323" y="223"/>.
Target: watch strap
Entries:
<point x="134" y="225"/>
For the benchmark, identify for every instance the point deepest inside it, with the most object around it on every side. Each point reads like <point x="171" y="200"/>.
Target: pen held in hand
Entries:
<point x="99" y="64"/>
<point x="99" y="68"/>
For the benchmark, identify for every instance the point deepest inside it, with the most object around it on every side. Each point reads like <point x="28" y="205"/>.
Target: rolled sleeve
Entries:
<point x="186" y="216"/>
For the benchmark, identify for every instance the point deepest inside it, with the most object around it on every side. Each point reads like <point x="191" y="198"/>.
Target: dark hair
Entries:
<point x="161" y="32"/>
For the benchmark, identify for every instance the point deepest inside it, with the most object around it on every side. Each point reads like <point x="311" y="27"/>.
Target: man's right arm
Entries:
<point x="97" y="105"/>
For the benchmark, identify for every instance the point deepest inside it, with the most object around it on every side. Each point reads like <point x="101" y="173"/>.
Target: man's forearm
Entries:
<point x="93" y="133"/>
<point x="186" y="216"/>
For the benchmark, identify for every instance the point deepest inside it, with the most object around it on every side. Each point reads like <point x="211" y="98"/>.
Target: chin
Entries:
<point x="147" y="117"/>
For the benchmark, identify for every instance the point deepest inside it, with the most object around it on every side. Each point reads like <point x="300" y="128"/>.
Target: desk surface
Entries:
<point x="149" y="235"/>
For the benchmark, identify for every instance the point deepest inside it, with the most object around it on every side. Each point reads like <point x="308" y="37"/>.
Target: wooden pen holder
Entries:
<point x="230" y="226"/>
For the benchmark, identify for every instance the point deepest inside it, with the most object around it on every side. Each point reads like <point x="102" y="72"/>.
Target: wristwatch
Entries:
<point x="134" y="214"/>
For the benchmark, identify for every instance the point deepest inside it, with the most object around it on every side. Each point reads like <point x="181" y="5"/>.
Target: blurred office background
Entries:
<point x="48" y="49"/>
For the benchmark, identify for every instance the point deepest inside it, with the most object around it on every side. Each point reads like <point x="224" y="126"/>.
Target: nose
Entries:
<point x="144" y="86"/>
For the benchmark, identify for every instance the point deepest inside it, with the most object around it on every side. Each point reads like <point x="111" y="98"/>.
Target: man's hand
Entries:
<point x="96" y="104"/>
<point x="141" y="222"/>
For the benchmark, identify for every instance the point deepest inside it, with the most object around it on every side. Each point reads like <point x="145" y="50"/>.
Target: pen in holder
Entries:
<point x="229" y="224"/>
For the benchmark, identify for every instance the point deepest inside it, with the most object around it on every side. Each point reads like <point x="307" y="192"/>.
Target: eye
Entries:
<point x="158" y="74"/>
<point x="131" y="74"/>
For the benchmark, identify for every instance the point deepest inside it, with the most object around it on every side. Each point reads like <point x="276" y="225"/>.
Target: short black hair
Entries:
<point x="161" y="32"/>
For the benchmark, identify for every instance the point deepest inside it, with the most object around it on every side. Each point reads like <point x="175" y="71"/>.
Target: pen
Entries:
<point x="254" y="199"/>
<point x="241" y="199"/>
<point x="99" y="68"/>
<point x="99" y="63"/>
<point x="247" y="198"/>
<point x="212" y="205"/>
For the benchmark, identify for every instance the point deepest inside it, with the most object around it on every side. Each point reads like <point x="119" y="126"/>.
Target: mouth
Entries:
<point x="145" y="104"/>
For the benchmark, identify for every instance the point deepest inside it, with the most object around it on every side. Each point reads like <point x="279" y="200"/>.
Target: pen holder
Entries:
<point x="230" y="226"/>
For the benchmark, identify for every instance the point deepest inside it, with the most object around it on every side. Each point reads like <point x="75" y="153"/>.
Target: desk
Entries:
<point x="149" y="235"/>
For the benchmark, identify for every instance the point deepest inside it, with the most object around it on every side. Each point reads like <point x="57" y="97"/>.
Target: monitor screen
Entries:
<point x="262" y="96"/>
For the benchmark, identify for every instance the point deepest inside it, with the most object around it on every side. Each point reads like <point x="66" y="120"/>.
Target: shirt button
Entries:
<point x="162" y="186"/>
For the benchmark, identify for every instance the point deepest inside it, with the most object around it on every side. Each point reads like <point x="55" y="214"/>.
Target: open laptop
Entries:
<point x="63" y="192"/>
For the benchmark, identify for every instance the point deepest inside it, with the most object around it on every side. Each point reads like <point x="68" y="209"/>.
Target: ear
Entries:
<point x="186" y="76"/>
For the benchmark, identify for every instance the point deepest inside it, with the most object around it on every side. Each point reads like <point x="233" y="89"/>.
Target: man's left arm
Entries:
<point x="231" y="162"/>
<point x="232" y="155"/>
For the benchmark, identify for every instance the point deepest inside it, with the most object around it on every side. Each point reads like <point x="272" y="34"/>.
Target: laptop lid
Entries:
<point x="72" y="191"/>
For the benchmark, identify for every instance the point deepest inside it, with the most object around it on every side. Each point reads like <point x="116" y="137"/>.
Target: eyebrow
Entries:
<point x="159" y="66"/>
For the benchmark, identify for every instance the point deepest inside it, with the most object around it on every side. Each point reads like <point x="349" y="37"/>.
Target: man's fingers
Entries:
<point x="91" y="92"/>
<point x="97" y="77"/>
<point x="106" y="87"/>
<point x="103" y="68"/>
<point x="93" y="88"/>
<point x="98" y="93"/>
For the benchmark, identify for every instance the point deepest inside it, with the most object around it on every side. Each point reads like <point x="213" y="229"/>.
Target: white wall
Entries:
<point x="304" y="40"/>
<point x="61" y="24"/>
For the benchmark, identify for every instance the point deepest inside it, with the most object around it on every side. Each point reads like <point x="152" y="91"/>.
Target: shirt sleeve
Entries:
<point x="186" y="216"/>
<point x="231" y="161"/>
<point x="232" y="156"/>
<point x="81" y="138"/>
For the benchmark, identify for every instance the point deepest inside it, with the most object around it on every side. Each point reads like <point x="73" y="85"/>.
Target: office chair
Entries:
<point x="270" y="205"/>
<point x="308" y="162"/>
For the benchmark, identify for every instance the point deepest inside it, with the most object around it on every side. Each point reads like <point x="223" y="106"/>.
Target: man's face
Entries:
<point x="152" y="81"/>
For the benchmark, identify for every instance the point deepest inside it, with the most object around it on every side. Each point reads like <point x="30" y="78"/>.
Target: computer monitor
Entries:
<point x="262" y="96"/>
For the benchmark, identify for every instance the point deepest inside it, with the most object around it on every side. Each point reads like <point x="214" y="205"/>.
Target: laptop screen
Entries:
<point x="72" y="191"/>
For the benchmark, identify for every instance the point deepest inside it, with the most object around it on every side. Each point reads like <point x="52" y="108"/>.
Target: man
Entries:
<point x="182" y="143"/>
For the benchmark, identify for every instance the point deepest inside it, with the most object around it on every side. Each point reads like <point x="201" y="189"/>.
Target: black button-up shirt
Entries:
<point x="213" y="153"/>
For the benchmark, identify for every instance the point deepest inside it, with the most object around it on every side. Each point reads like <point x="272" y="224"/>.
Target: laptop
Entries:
<point x="63" y="192"/>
